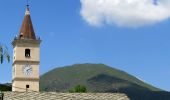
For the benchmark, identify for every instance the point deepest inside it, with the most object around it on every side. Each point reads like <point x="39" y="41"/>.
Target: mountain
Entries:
<point x="5" y="87"/>
<point x="100" y="78"/>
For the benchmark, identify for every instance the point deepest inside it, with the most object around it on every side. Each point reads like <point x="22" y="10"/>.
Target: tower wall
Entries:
<point x="20" y="85"/>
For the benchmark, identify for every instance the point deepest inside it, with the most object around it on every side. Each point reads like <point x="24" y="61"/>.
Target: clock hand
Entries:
<point x="28" y="69"/>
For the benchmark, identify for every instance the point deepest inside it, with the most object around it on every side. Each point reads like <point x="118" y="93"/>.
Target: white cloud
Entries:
<point x="126" y="13"/>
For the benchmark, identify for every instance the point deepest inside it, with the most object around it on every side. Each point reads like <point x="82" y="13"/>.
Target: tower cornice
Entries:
<point x="25" y="79"/>
<point x="25" y="62"/>
<point x="26" y="41"/>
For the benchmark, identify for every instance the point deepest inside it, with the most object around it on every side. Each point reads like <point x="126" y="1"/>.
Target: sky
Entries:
<point x="130" y="35"/>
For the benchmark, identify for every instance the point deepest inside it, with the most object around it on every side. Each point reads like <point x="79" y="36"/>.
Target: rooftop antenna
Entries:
<point x="27" y="8"/>
<point x="27" y="2"/>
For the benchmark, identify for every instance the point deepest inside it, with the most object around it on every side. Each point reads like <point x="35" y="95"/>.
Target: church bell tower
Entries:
<point x="26" y="57"/>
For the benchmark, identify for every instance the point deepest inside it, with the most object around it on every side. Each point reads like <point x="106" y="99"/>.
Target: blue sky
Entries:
<point x="69" y="38"/>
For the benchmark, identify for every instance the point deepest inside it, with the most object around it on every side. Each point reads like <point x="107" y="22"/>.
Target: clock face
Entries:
<point x="27" y="70"/>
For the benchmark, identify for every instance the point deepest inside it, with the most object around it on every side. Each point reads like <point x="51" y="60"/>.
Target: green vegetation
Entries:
<point x="78" y="89"/>
<point x="64" y="78"/>
<point x="4" y="54"/>
<point x="99" y="78"/>
<point x="5" y="87"/>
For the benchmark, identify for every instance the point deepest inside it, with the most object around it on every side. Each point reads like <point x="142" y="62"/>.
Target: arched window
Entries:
<point x="27" y="53"/>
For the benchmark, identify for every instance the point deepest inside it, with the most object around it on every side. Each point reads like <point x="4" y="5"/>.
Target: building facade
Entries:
<point x="26" y="57"/>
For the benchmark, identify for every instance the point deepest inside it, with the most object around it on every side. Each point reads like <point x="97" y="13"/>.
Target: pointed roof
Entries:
<point x="27" y="30"/>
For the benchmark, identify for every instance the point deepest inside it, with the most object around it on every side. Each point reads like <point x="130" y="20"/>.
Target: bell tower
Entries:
<point x="26" y="57"/>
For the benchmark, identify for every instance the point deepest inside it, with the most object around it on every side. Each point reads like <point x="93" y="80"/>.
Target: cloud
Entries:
<point x="125" y="13"/>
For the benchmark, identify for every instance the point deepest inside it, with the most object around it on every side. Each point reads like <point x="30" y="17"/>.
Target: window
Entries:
<point x="27" y="86"/>
<point x="27" y="53"/>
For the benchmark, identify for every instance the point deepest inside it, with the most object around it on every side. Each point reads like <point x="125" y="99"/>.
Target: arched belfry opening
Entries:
<point x="27" y="53"/>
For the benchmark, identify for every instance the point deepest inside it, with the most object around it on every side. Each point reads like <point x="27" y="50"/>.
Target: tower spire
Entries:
<point x="27" y="30"/>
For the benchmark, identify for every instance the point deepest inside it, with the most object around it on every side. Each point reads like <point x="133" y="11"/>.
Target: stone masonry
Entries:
<point x="63" y="96"/>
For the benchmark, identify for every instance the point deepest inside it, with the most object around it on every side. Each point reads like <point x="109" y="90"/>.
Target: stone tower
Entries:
<point x="26" y="57"/>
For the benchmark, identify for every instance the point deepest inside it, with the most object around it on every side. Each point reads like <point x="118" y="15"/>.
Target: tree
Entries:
<point x="4" y="54"/>
<point x="78" y="89"/>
